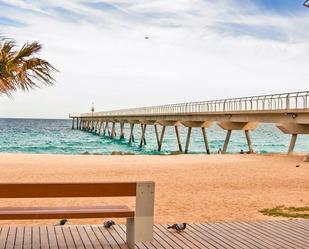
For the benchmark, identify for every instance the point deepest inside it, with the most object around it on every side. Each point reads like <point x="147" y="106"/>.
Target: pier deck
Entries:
<point x="266" y="234"/>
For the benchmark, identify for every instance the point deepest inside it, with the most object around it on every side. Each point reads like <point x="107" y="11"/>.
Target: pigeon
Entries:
<point x="306" y="4"/>
<point x="178" y="227"/>
<point x="61" y="222"/>
<point x="109" y="223"/>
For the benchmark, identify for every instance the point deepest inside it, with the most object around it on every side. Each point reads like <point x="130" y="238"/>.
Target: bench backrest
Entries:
<point x="55" y="190"/>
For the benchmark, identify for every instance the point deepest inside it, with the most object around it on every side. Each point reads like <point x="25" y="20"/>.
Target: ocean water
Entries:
<point x="56" y="137"/>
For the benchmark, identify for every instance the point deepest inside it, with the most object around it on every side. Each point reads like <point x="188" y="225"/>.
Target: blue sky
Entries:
<point x="197" y="50"/>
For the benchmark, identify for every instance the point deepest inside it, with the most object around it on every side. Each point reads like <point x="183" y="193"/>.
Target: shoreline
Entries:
<point x="155" y="155"/>
<point x="191" y="188"/>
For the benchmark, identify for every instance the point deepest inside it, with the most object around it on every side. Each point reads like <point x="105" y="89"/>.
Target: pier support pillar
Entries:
<point x="227" y="140"/>
<point x="205" y="140"/>
<point x="105" y="128"/>
<point x="292" y="143"/>
<point x="294" y="130"/>
<point x="121" y="130"/>
<point x="247" y="132"/>
<point x="96" y="128"/>
<point x="231" y="126"/>
<point x="78" y="123"/>
<point x="188" y="140"/>
<point x="113" y="131"/>
<point x="89" y="125"/>
<point x="157" y="134"/>
<point x="92" y="126"/>
<point x="100" y="128"/>
<point x="73" y="119"/>
<point x="143" y="140"/>
<point x="197" y="124"/>
<point x="161" y="138"/>
<point x="178" y="138"/>
<point x="131" y="139"/>
<point x="108" y="131"/>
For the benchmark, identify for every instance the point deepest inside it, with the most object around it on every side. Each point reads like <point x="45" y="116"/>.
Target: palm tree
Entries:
<point x="22" y="69"/>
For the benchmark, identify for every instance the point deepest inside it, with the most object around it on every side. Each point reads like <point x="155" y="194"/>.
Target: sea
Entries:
<point x="55" y="136"/>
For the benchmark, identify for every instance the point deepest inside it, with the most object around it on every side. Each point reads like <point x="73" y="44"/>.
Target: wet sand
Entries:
<point x="191" y="188"/>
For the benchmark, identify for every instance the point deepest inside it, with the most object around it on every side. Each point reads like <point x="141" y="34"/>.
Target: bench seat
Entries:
<point x="22" y="213"/>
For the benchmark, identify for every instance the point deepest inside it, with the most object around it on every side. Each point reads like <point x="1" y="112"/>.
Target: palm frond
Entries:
<point x="22" y="69"/>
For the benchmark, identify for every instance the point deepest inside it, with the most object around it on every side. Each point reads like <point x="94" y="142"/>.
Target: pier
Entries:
<point x="289" y="111"/>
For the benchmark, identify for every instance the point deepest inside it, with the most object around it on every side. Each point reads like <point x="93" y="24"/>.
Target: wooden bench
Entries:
<point x="139" y="221"/>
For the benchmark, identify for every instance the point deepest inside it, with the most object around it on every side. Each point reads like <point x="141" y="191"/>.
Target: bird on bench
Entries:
<point x="178" y="227"/>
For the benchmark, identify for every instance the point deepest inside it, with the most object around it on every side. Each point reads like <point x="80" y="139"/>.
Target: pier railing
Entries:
<point x="273" y="102"/>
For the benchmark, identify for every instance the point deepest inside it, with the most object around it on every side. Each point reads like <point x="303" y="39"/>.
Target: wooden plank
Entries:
<point x="156" y="243"/>
<point x="109" y="238"/>
<point x="210" y="236"/>
<point x="19" y="238"/>
<point x="282" y="241"/>
<point x="237" y="238"/>
<point x="259" y="235"/>
<point x="303" y="226"/>
<point x="79" y="189"/>
<point x="228" y="236"/>
<point x="167" y="239"/>
<point x="27" y="238"/>
<point x="120" y="229"/>
<point x="101" y="238"/>
<point x="60" y="237"/>
<point x="67" y="236"/>
<point x="117" y="238"/>
<point x="284" y="236"/>
<point x="289" y="233"/>
<point x="3" y="237"/>
<point x="175" y="236"/>
<point x="84" y="237"/>
<point x="301" y="234"/>
<point x="203" y="240"/>
<point x="192" y="239"/>
<point x="68" y="212"/>
<point x="92" y="237"/>
<point x="259" y="241"/>
<point x="245" y="236"/>
<point x="44" y="241"/>
<point x="76" y="238"/>
<point x="36" y="238"/>
<point x="10" y="241"/>
<point x="52" y="238"/>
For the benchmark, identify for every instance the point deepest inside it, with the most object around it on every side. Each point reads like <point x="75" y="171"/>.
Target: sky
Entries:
<point x="197" y="50"/>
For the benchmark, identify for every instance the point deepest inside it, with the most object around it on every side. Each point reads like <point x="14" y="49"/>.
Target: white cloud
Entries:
<point x="103" y="56"/>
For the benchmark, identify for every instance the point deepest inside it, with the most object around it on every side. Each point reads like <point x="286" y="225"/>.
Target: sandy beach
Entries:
<point x="191" y="188"/>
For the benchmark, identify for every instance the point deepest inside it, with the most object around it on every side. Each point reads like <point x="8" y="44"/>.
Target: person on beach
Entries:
<point x="220" y="151"/>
